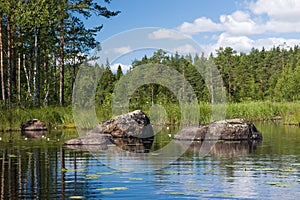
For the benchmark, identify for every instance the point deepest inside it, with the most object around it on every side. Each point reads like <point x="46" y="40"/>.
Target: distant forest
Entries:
<point x="43" y="44"/>
<point x="261" y="75"/>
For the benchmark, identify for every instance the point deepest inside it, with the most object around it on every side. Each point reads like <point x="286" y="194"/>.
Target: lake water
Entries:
<point x="43" y="168"/>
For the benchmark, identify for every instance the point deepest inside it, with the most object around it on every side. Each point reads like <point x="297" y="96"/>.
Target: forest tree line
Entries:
<point x="260" y="75"/>
<point x="42" y="44"/>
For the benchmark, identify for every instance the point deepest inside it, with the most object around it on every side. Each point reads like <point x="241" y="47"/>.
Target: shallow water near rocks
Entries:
<point x="43" y="168"/>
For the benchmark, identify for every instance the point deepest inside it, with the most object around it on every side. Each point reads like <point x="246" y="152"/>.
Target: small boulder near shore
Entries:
<point x="230" y="129"/>
<point x="134" y="124"/>
<point x="33" y="125"/>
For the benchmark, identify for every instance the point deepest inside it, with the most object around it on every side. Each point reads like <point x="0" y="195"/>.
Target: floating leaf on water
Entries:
<point x="288" y="170"/>
<point x="106" y="192"/>
<point x="190" y="182"/>
<point x="209" y="171"/>
<point x="92" y="176"/>
<point x="280" y="184"/>
<point x="176" y="193"/>
<point x="179" y="172"/>
<point x="106" y="173"/>
<point x="296" y="164"/>
<point x="64" y="170"/>
<point x="225" y="195"/>
<point x="198" y="189"/>
<point x="76" y="197"/>
<point x="113" y="188"/>
<point x="269" y="169"/>
<point x="135" y="179"/>
<point x="233" y="166"/>
<point x="125" y="170"/>
<point x="281" y="176"/>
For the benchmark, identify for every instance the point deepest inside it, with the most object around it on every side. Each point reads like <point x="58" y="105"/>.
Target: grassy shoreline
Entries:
<point x="62" y="117"/>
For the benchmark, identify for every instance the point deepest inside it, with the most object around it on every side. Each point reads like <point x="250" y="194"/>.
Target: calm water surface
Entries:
<point x="43" y="168"/>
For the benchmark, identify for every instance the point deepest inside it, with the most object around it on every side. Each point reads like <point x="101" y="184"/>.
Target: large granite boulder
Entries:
<point x="231" y="129"/>
<point x="134" y="124"/>
<point x="33" y="125"/>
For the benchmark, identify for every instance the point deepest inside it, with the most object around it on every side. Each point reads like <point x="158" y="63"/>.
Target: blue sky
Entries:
<point x="241" y="24"/>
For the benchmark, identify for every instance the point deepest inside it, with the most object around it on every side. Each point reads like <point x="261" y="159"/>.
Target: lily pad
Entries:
<point x="113" y="188"/>
<point x="279" y="184"/>
<point x="179" y="172"/>
<point x="225" y="195"/>
<point x="106" y="173"/>
<point x="269" y="169"/>
<point x="135" y="179"/>
<point x="288" y="170"/>
<point x="296" y="164"/>
<point x="281" y="176"/>
<point x="76" y="197"/>
<point x="106" y="192"/>
<point x="64" y="170"/>
<point x="92" y="176"/>
<point x="198" y="189"/>
<point x="176" y="193"/>
<point x="190" y="182"/>
<point x="209" y="171"/>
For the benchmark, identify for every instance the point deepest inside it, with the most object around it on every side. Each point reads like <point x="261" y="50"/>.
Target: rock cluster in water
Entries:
<point x="231" y="129"/>
<point x="131" y="125"/>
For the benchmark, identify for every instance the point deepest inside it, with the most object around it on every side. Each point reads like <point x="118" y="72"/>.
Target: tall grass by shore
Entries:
<point x="56" y="117"/>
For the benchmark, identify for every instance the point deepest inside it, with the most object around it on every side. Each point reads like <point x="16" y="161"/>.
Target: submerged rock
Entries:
<point x="33" y="125"/>
<point x="134" y="125"/>
<point x="231" y="129"/>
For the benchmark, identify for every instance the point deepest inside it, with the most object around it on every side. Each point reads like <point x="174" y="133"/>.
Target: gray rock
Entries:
<point x="33" y="125"/>
<point x="231" y="129"/>
<point x="134" y="124"/>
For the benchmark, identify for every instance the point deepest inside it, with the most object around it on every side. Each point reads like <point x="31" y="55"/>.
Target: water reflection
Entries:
<point x="34" y="134"/>
<point x="118" y="145"/>
<point x="221" y="148"/>
<point x="42" y="169"/>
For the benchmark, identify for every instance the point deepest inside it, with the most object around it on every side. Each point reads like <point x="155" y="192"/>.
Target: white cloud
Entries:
<point x="279" y="10"/>
<point x="240" y="23"/>
<point x="282" y="27"/>
<point x="245" y="44"/>
<point x="257" y="25"/>
<point x="167" y="34"/>
<point x="239" y="43"/>
<point x="200" y="25"/>
<point x="122" y="50"/>
<point x="185" y="49"/>
<point x="124" y="67"/>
